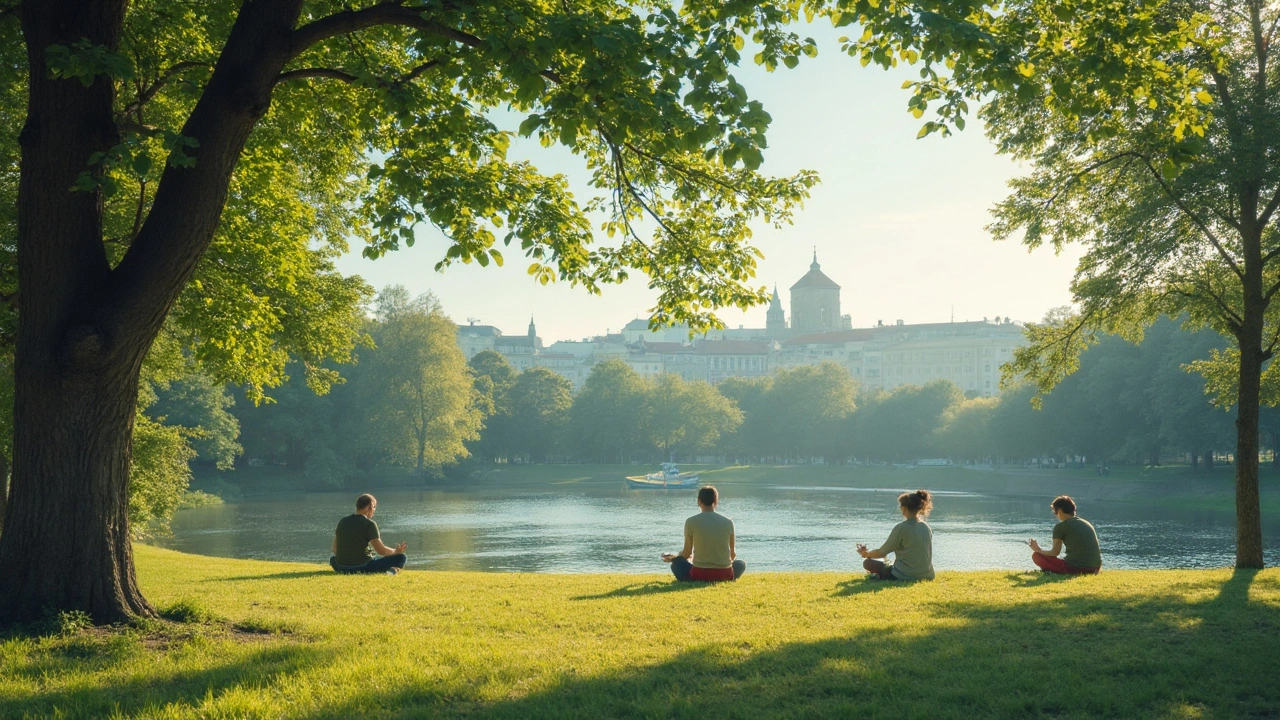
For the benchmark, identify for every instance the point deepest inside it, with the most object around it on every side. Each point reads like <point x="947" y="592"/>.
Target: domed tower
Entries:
<point x="776" y="321"/>
<point x="815" y="302"/>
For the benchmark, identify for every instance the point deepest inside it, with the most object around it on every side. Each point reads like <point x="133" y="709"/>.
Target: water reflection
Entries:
<point x="581" y="528"/>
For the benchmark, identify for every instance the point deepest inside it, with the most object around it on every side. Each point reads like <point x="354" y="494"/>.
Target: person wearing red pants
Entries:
<point x="1076" y="535"/>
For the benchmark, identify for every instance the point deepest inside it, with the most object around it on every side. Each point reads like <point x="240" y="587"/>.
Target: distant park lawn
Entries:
<point x="285" y="640"/>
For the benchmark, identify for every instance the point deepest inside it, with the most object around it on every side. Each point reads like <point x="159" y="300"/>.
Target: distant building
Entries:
<point x="474" y="339"/>
<point x="815" y="303"/>
<point x="775" y="324"/>
<point x="968" y="354"/>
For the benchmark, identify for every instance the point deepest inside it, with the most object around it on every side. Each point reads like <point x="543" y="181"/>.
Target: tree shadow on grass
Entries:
<point x="131" y="692"/>
<point x="273" y="576"/>
<point x="653" y="587"/>
<point x="1208" y="652"/>
<point x="1035" y="578"/>
<point x="860" y="585"/>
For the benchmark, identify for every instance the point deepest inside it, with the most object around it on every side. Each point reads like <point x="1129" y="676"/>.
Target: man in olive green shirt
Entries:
<point x="1084" y="556"/>
<point x="709" y="553"/>
<point x="358" y="532"/>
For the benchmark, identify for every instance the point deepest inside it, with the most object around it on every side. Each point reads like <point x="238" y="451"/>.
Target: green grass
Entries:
<point x="283" y="640"/>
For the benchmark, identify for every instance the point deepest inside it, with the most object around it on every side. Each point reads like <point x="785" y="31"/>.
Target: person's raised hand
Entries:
<point x="668" y="557"/>
<point x="400" y="548"/>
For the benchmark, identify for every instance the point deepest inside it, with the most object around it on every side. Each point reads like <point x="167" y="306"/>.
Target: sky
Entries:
<point x="897" y="222"/>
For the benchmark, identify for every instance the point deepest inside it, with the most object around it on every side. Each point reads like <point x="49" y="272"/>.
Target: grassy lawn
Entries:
<point x="296" y="641"/>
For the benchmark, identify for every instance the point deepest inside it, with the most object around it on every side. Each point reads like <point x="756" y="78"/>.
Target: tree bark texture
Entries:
<point x="1248" y="510"/>
<point x="85" y="327"/>
<point x="1252" y="356"/>
<point x="4" y="488"/>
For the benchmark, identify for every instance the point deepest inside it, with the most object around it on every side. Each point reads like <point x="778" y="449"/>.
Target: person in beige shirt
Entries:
<point x="910" y="541"/>
<point x="709" y="553"/>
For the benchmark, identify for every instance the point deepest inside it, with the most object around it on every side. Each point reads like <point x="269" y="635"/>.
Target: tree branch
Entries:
<point x="346" y="77"/>
<point x="150" y="91"/>
<point x="1232" y="318"/>
<point x="1217" y="244"/>
<point x="388" y="13"/>
<point x="1271" y="291"/>
<point x="306" y="73"/>
<point x="1275" y="337"/>
<point x="1270" y="209"/>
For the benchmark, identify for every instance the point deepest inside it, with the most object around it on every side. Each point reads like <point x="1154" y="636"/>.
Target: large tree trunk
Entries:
<point x="1248" y="511"/>
<point x="83" y="326"/>
<point x="73" y="443"/>
<point x="4" y="488"/>
<point x="1252" y="356"/>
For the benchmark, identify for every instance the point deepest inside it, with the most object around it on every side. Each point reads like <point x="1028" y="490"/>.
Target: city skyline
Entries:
<point x="897" y="222"/>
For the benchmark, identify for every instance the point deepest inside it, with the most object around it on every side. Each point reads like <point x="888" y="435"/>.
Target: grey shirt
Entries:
<point x="911" y="542"/>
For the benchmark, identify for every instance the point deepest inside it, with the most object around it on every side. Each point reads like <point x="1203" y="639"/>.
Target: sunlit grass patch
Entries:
<point x="298" y="641"/>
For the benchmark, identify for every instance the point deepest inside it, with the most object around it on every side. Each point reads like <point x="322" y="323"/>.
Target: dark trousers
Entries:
<point x="878" y="568"/>
<point x="378" y="565"/>
<point x="681" y="569"/>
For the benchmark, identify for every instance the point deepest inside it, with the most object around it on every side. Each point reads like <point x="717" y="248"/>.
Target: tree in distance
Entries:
<point x="1153" y="139"/>
<point x="685" y="416"/>
<point x="207" y="165"/>
<point x="540" y="401"/>
<point x="493" y="377"/>
<point x="421" y="403"/>
<point x="606" y="420"/>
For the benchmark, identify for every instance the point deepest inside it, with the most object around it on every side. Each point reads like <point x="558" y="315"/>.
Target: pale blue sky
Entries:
<point x="898" y="222"/>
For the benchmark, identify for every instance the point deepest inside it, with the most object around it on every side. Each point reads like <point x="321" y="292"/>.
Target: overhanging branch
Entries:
<point x="1204" y="228"/>
<point x="346" y="77"/>
<point x="389" y="13"/>
<point x="150" y="91"/>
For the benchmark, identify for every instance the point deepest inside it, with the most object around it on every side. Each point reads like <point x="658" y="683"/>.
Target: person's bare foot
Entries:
<point x="393" y="571"/>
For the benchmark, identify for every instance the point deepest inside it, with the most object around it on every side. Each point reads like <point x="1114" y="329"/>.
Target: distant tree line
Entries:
<point x="411" y="401"/>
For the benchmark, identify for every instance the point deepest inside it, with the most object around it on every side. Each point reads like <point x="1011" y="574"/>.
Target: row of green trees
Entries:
<point x="411" y="401"/>
<point x="1129" y="403"/>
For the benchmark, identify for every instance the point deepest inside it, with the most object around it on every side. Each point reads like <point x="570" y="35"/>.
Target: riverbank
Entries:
<point x="297" y="641"/>
<point x="1174" y="486"/>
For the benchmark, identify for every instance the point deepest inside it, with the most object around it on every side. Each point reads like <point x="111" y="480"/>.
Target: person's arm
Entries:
<point x="687" y="552"/>
<point x="383" y="550"/>
<point x="876" y="554"/>
<point x="334" y="550"/>
<point x="733" y="551"/>
<point x="1052" y="552"/>
<point x="890" y="545"/>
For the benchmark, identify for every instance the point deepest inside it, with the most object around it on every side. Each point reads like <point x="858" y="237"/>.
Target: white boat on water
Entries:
<point x="669" y="478"/>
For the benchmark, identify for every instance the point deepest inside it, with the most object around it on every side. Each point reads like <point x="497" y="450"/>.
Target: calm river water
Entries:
<point x="780" y="527"/>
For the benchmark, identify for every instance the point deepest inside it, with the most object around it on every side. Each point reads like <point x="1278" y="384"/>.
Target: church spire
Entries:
<point x="776" y="319"/>
<point x="814" y="266"/>
<point x="533" y="332"/>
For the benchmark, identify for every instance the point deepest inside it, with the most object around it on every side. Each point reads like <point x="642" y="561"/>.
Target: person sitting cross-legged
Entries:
<point x="358" y="532"/>
<point x="709" y="553"/>
<point x="1084" y="556"/>
<point x="910" y="541"/>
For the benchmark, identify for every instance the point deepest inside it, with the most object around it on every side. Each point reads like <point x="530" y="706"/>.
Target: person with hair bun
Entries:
<point x="911" y="542"/>
<point x="1076" y="535"/>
